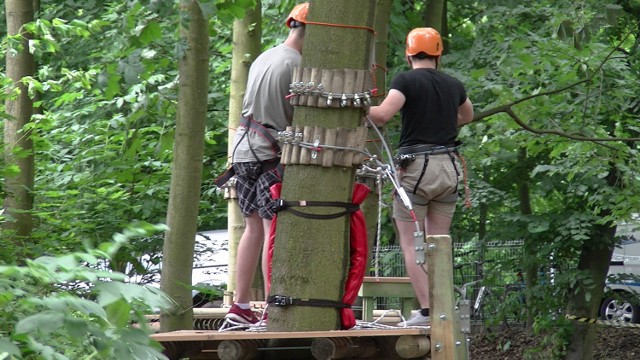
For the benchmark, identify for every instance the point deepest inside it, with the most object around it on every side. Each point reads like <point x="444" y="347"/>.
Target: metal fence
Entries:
<point x="498" y="257"/>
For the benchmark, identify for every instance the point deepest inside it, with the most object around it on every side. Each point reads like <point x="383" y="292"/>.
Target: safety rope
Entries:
<point x="261" y="326"/>
<point x="374" y="79"/>
<point x="613" y="323"/>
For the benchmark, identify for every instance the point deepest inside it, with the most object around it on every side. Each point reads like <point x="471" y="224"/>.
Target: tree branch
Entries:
<point x="598" y="141"/>
<point x="507" y="108"/>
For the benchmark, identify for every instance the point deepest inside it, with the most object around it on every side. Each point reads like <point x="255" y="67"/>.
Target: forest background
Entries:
<point x="552" y="156"/>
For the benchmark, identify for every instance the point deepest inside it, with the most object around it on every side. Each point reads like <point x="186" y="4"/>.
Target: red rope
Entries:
<point x="375" y="80"/>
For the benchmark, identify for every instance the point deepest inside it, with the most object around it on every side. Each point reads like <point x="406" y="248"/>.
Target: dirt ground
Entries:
<point x="611" y="344"/>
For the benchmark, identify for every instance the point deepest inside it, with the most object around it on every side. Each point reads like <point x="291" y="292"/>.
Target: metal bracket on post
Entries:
<point x="464" y="313"/>
<point x="448" y="341"/>
<point x="419" y="247"/>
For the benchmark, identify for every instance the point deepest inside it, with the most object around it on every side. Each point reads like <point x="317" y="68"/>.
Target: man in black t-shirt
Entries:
<point x="433" y="105"/>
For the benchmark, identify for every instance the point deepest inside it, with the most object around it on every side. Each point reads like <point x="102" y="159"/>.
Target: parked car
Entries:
<point x="210" y="268"/>
<point x="622" y="295"/>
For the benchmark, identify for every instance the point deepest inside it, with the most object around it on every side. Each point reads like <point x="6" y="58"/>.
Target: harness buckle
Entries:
<point x="403" y="160"/>
<point x="281" y="300"/>
<point x="280" y="205"/>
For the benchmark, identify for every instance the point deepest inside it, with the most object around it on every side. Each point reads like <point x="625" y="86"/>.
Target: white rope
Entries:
<point x="376" y="259"/>
<point x="232" y="325"/>
<point x="363" y="325"/>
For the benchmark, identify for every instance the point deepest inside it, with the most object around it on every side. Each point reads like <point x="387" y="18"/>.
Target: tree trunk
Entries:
<point x="584" y="300"/>
<point x="18" y="146"/>
<point x="186" y="175"/>
<point x="529" y="248"/>
<point x="247" y="34"/>
<point x="311" y="257"/>
<point x="433" y="14"/>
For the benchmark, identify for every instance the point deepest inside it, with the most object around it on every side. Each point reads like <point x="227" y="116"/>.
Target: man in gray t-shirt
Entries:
<point x="256" y="155"/>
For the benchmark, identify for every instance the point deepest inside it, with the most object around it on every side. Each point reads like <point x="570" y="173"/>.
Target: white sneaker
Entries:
<point x="417" y="319"/>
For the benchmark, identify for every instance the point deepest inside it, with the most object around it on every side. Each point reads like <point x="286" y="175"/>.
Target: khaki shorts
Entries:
<point x="437" y="191"/>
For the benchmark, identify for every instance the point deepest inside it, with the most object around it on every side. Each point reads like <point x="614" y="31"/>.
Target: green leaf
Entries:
<point x="46" y="322"/>
<point x="151" y="32"/>
<point x="538" y="227"/>
<point x="118" y="312"/>
<point x="86" y="306"/>
<point x="8" y="347"/>
<point x="76" y="328"/>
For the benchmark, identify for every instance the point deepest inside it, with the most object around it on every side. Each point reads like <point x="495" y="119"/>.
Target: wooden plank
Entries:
<point x="387" y="279"/>
<point x="447" y="340"/>
<point x="387" y="289"/>
<point x="213" y="335"/>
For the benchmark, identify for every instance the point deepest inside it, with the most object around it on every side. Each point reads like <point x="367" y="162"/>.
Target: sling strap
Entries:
<point x="282" y="300"/>
<point x="263" y="130"/>
<point x="282" y="205"/>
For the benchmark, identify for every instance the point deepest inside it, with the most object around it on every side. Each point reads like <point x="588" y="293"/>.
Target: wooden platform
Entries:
<point x="335" y="344"/>
<point x="398" y="287"/>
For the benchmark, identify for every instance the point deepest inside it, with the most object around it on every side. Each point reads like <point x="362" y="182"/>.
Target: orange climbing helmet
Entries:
<point x="426" y="40"/>
<point x="299" y="14"/>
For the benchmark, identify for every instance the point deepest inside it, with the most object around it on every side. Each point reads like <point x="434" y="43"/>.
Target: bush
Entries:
<point x="63" y="308"/>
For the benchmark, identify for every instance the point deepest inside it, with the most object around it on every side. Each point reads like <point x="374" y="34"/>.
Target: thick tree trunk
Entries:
<point x="584" y="300"/>
<point x="247" y="34"/>
<point x="18" y="146"/>
<point x="186" y="175"/>
<point x="311" y="256"/>
<point x="433" y="14"/>
<point x="595" y="262"/>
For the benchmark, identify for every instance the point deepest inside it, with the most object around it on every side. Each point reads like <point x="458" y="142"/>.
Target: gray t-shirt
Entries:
<point x="268" y="85"/>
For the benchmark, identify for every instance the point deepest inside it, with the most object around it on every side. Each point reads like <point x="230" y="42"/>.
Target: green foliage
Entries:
<point x="106" y="84"/>
<point x="525" y="55"/>
<point x="66" y="308"/>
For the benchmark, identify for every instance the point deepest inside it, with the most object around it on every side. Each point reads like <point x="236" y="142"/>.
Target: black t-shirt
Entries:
<point x="430" y="111"/>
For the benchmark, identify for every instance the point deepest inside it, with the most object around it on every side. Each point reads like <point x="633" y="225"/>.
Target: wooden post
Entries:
<point x="447" y="340"/>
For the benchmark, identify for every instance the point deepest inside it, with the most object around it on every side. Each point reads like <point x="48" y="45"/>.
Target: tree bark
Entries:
<point x="311" y="257"/>
<point x="529" y="247"/>
<point x="186" y="175"/>
<point x="247" y="34"/>
<point x="584" y="300"/>
<point x="18" y="146"/>
<point x="433" y="14"/>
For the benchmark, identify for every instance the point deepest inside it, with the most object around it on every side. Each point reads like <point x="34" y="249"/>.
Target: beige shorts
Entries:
<point x="437" y="191"/>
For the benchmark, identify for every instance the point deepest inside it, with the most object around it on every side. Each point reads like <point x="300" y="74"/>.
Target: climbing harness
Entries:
<point x="263" y="130"/>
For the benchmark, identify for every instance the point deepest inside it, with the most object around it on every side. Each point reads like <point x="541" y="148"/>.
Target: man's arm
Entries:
<point x="465" y="113"/>
<point x="382" y="113"/>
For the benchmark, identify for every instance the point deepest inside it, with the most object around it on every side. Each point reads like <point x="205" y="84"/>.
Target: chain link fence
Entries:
<point x="493" y="261"/>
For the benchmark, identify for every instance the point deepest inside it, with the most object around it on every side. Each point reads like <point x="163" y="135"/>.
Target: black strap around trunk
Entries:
<point x="282" y="300"/>
<point x="282" y="205"/>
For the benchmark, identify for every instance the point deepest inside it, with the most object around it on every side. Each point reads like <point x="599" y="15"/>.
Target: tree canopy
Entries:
<point x="551" y="157"/>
